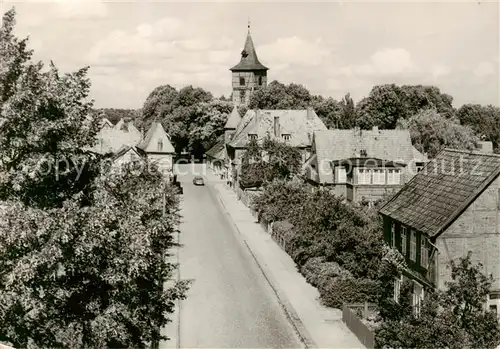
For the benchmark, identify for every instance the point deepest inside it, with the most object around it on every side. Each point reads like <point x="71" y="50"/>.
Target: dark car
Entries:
<point x="198" y="180"/>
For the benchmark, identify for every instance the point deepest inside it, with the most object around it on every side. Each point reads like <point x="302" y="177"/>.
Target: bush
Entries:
<point x="335" y="292"/>
<point x="318" y="272"/>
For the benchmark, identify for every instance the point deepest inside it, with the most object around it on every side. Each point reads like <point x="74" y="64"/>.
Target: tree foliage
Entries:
<point x="484" y="120"/>
<point x="430" y="133"/>
<point x="267" y="161"/>
<point x="451" y="318"/>
<point x="280" y="96"/>
<point x="114" y="115"/>
<point x="90" y="276"/>
<point x="386" y="104"/>
<point x="82" y="251"/>
<point x="47" y="123"/>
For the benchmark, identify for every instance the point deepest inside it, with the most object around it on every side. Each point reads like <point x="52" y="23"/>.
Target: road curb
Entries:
<point x="291" y="314"/>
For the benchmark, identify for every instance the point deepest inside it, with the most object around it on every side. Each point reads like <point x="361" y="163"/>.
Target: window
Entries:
<point x="378" y="177"/>
<point x="364" y="176"/>
<point x="260" y="80"/>
<point x="242" y="95"/>
<point x="362" y="153"/>
<point x="424" y="253"/>
<point x="413" y="245"/>
<point x="160" y="145"/>
<point x="418" y="297"/>
<point x="286" y="137"/>
<point x="393" y="176"/>
<point x="242" y="81"/>
<point x="252" y="136"/>
<point x="393" y="234"/>
<point x="397" y="288"/>
<point x="403" y="241"/>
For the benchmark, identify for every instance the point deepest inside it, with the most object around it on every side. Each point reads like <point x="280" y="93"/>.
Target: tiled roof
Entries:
<point x="439" y="193"/>
<point x="124" y="150"/>
<point x="168" y="148"/>
<point x="113" y="138"/>
<point x="299" y="124"/>
<point x="218" y="151"/>
<point x="249" y="59"/>
<point x="233" y="120"/>
<point x="393" y="145"/>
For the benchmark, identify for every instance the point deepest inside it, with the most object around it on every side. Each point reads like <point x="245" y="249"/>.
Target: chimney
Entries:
<point x="310" y="113"/>
<point x="276" y="126"/>
<point x="485" y="147"/>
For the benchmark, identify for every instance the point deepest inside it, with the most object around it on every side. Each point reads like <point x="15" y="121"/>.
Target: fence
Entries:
<point x="353" y="322"/>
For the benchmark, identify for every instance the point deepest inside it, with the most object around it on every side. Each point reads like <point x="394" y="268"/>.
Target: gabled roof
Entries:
<point x="393" y="145"/>
<point x="105" y="122"/>
<point x="233" y="120"/>
<point x="438" y="194"/>
<point x="156" y="127"/>
<point x="249" y="60"/>
<point x="299" y="124"/>
<point x="218" y="151"/>
<point x="125" y="149"/>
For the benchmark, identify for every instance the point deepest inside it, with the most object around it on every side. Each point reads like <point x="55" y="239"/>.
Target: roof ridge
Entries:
<point x="471" y="152"/>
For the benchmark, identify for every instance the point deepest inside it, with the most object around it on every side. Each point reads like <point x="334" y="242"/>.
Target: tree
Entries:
<point x="430" y="133"/>
<point x="208" y="124"/>
<point x="78" y="277"/>
<point x="450" y="318"/>
<point x="47" y="124"/>
<point x="158" y="102"/>
<point x="386" y="104"/>
<point x="82" y="255"/>
<point x="280" y="96"/>
<point x="484" y="120"/>
<point x="115" y="115"/>
<point x="270" y="160"/>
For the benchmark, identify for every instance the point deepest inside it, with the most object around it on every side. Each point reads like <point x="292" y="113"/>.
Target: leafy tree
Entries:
<point x="79" y="277"/>
<point x="47" y="121"/>
<point x="430" y="133"/>
<point x="449" y="318"/>
<point x="386" y="104"/>
<point x="484" y="120"/>
<point x="82" y="255"/>
<point x="208" y="124"/>
<point x="268" y="161"/>
<point x="280" y="96"/>
<point x="158" y="102"/>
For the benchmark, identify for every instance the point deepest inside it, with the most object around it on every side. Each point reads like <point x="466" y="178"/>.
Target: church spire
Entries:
<point x="249" y="60"/>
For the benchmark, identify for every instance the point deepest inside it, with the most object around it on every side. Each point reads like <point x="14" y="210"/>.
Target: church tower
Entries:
<point x="248" y="75"/>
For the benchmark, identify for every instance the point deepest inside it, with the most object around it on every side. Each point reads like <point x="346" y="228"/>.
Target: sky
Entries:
<point x="332" y="48"/>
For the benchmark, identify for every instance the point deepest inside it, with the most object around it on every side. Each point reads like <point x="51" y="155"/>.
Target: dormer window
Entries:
<point x="242" y="81"/>
<point x="252" y="136"/>
<point x="160" y="145"/>
<point x="286" y="137"/>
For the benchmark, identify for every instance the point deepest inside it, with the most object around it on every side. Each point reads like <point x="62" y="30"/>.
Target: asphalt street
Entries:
<point x="230" y="304"/>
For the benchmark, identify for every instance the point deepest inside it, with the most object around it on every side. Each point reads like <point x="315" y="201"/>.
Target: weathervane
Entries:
<point x="248" y="23"/>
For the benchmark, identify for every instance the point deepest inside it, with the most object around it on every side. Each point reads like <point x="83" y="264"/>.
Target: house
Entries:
<point x="449" y="208"/>
<point x="293" y="127"/>
<point x="127" y="154"/>
<point x="112" y="137"/>
<point x="216" y="157"/>
<point x="362" y="165"/>
<point x="156" y="144"/>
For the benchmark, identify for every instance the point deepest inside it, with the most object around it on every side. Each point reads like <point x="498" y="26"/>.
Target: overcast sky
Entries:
<point x="329" y="47"/>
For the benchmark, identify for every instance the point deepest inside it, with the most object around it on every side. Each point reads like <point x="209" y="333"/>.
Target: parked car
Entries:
<point x="198" y="180"/>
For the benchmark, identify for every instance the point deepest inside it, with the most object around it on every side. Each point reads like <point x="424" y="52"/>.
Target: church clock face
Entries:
<point x="244" y="53"/>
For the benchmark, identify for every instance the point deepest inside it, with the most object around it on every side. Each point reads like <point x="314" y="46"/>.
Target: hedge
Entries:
<point x="318" y="272"/>
<point x="337" y="291"/>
